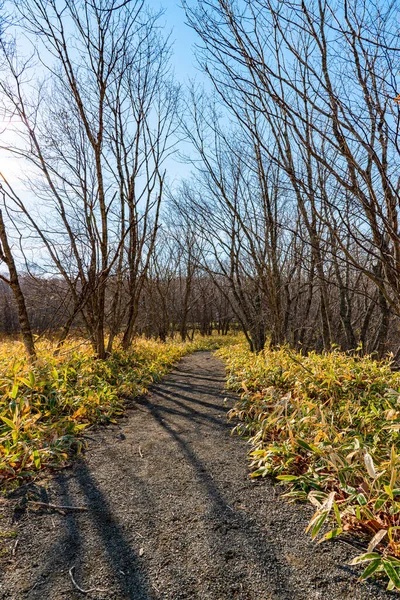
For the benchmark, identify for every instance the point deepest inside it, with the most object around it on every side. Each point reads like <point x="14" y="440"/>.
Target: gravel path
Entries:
<point x="172" y="514"/>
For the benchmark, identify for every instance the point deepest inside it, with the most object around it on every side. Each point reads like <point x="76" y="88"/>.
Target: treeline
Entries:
<point x="171" y="306"/>
<point x="288" y="226"/>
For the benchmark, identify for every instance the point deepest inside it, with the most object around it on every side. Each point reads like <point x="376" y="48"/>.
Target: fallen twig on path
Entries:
<point x="140" y="452"/>
<point x="32" y="587"/>
<point x="89" y="591"/>
<point x="57" y="507"/>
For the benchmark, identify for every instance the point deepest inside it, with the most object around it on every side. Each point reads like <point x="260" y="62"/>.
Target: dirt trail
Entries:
<point x="173" y="514"/>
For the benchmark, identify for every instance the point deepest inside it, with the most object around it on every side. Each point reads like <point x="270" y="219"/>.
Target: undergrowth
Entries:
<point x="328" y="427"/>
<point x="45" y="408"/>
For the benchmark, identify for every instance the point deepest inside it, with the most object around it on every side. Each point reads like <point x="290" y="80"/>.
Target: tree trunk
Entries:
<point x="14" y="283"/>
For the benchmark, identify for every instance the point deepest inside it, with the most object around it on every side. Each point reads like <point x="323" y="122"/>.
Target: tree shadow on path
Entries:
<point x="221" y="516"/>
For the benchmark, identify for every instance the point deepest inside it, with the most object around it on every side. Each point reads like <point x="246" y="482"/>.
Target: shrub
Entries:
<point x="45" y="408"/>
<point x="328" y="426"/>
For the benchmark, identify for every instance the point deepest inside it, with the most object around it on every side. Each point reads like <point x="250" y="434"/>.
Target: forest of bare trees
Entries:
<point x="288" y="226"/>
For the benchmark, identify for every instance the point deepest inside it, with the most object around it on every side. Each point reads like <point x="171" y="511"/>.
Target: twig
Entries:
<point x="32" y="587"/>
<point x="90" y="591"/>
<point x="139" y="535"/>
<point x="15" y="548"/>
<point x="356" y="545"/>
<point x="298" y="362"/>
<point x="88" y="437"/>
<point x="35" y="585"/>
<point x="56" y="506"/>
<point x="140" y="452"/>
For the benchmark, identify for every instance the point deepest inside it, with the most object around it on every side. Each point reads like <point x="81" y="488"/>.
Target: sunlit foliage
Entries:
<point x="45" y="408"/>
<point x="328" y="427"/>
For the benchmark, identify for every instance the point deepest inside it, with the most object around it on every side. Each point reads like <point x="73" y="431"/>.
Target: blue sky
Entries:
<point x="185" y="69"/>
<point x="184" y="66"/>
<point x="183" y="38"/>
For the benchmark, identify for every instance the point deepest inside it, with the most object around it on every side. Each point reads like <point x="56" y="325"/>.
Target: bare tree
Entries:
<point x="96" y="133"/>
<point x="318" y="81"/>
<point x="6" y="251"/>
<point x="7" y="257"/>
<point x="236" y="200"/>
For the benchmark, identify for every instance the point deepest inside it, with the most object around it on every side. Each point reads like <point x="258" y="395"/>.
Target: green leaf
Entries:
<point x="380" y="502"/>
<point x="287" y="477"/>
<point x="32" y="379"/>
<point x="368" y="513"/>
<point x="392" y="559"/>
<point x="260" y="472"/>
<point x="8" y="422"/>
<point x="392" y="573"/>
<point x="307" y="446"/>
<point x="372" y="567"/>
<point x="14" y="391"/>
<point x="81" y="426"/>
<point x="365" y="558"/>
<point x="36" y="459"/>
<point x="337" y="514"/>
<point x="332" y="534"/>
<point x="320" y="521"/>
<point x="361" y="499"/>
<point x="389" y="491"/>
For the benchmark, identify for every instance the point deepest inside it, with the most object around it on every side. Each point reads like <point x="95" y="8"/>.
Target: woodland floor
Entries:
<point x="172" y="514"/>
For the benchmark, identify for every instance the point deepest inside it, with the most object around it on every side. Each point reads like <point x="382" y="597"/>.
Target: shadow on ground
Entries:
<point x="172" y="514"/>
